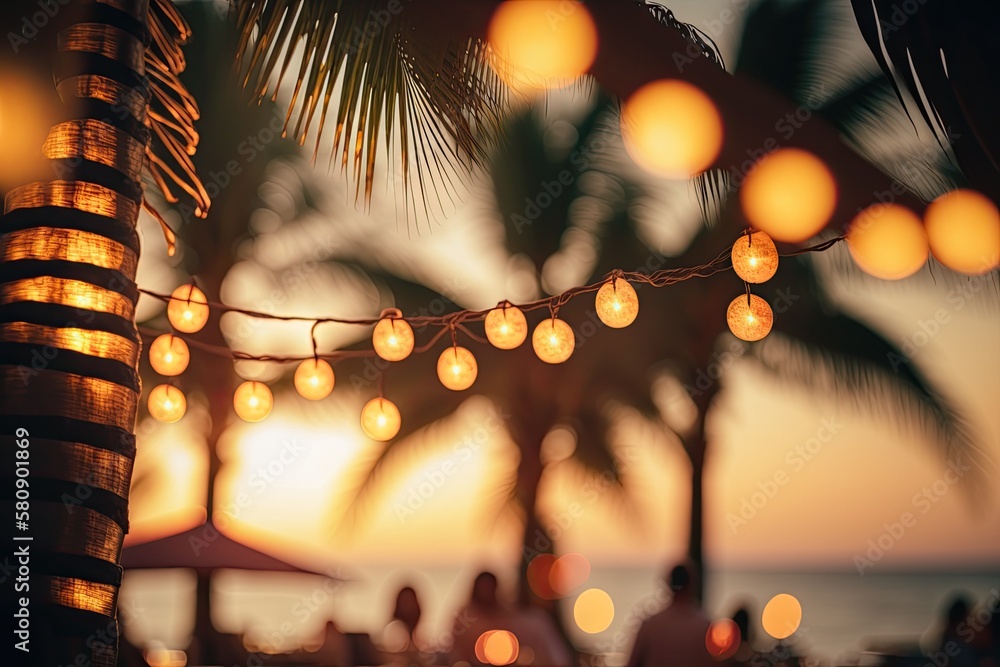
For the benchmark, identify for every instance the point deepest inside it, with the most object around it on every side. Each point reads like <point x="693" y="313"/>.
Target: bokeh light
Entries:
<point x="790" y="195"/>
<point x="188" y="309"/>
<point x="166" y="404"/>
<point x="538" y="575"/>
<point x="457" y="368"/>
<point x="506" y="327"/>
<point x="593" y="611"/>
<point x="500" y="647"/>
<point x="253" y="401"/>
<point x="722" y="639"/>
<point x="617" y="303"/>
<point x="749" y="319"/>
<point x="782" y="616"/>
<point x="671" y="128"/>
<point x="169" y="355"/>
<point x="568" y="573"/>
<point x="537" y="44"/>
<point x="755" y="258"/>
<point x="553" y="341"/>
<point x="963" y="228"/>
<point x="887" y="241"/>
<point x="314" y="379"/>
<point x="380" y="419"/>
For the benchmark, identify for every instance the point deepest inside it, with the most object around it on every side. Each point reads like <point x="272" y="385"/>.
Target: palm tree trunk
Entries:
<point x="68" y="342"/>
<point x="696" y="444"/>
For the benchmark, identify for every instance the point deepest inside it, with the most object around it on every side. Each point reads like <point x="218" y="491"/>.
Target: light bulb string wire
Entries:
<point x="455" y="321"/>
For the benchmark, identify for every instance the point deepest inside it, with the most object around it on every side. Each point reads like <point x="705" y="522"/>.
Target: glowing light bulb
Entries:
<point x="457" y="368"/>
<point x="888" y="241"/>
<point x="963" y="227"/>
<point x="541" y="44"/>
<point x="166" y="404"/>
<point x="253" y="401"/>
<point x="790" y="195"/>
<point x="755" y="258"/>
<point x="380" y="419"/>
<point x="617" y="303"/>
<point x="722" y="639"/>
<point x="188" y="309"/>
<point x="314" y="379"/>
<point x="749" y="321"/>
<point x="553" y="341"/>
<point x="169" y="355"/>
<point x="782" y="616"/>
<point x="506" y="327"/>
<point x="392" y="338"/>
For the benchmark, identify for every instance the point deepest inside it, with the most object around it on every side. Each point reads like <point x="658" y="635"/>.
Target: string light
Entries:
<point x="169" y="355"/>
<point x="755" y="258"/>
<point x="392" y="337"/>
<point x="790" y="194"/>
<point x="749" y="317"/>
<point x="253" y="401"/>
<point x="188" y="309"/>
<point x="457" y="368"/>
<point x="506" y="327"/>
<point x="314" y="379"/>
<point x="887" y="241"/>
<point x="380" y="419"/>
<point x="553" y="341"/>
<point x="617" y="303"/>
<point x="963" y="228"/>
<point x="166" y="404"/>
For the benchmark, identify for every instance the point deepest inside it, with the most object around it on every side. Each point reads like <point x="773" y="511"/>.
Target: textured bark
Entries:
<point x="68" y="342"/>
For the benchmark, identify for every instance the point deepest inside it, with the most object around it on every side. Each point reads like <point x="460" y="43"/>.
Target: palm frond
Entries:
<point x="440" y="104"/>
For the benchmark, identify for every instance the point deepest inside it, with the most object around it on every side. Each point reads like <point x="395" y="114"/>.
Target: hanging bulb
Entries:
<point x="553" y="341"/>
<point x="169" y="355"/>
<point x="253" y="401"/>
<point x="617" y="303"/>
<point x="166" y="404"/>
<point x="457" y="368"/>
<point x="755" y="259"/>
<point x="749" y="317"/>
<point x="887" y="241"/>
<point x="506" y="327"/>
<point x="314" y="379"/>
<point x="392" y="337"/>
<point x="964" y="231"/>
<point x="380" y="419"/>
<point x="188" y="309"/>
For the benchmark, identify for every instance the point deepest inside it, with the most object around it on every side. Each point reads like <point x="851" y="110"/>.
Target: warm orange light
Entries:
<point x="538" y="575"/>
<point x="392" y="339"/>
<point x="188" y="309"/>
<point x="593" y="611"/>
<point x="782" y="616"/>
<point x="888" y="241"/>
<point x="253" y="401"/>
<point x="671" y="128"/>
<point x="790" y="195"/>
<point x="541" y="43"/>
<point x="617" y="303"/>
<point x="500" y="647"/>
<point x="963" y="228"/>
<point x="751" y="319"/>
<point x="166" y="404"/>
<point x="755" y="259"/>
<point x="568" y="573"/>
<point x="314" y="379"/>
<point x="722" y="639"/>
<point x="456" y="368"/>
<point x="169" y="355"/>
<point x="553" y="341"/>
<point x="506" y="327"/>
<point x="380" y="419"/>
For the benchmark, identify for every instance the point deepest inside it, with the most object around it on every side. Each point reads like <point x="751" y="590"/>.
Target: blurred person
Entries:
<point x="675" y="637"/>
<point x="953" y="645"/>
<point x="401" y="641"/>
<point x="483" y="612"/>
<point x="335" y="651"/>
<point x="746" y="652"/>
<point x="536" y="630"/>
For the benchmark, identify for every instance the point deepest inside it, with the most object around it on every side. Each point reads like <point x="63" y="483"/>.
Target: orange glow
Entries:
<point x="392" y="339"/>
<point x="888" y="241"/>
<point x="593" y="611"/>
<point x="166" y="404"/>
<point x="188" y="309"/>
<point x="457" y="368"/>
<point x="26" y="114"/>
<point x="541" y="43"/>
<point x="790" y="195"/>
<point x="380" y="419"/>
<point x="963" y="228"/>
<point x="314" y="379"/>
<point x="722" y="639"/>
<point x="553" y="341"/>
<point x="500" y="647"/>
<point x="539" y="573"/>
<point x="253" y="401"/>
<point x="169" y="355"/>
<point x="671" y="128"/>
<point x="617" y="303"/>
<point x="755" y="259"/>
<point x="782" y="616"/>
<point x="749" y="320"/>
<point x="568" y="573"/>
<point x="506" y="328"/>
